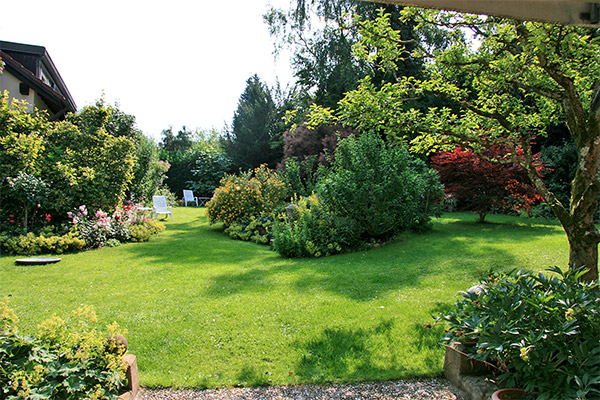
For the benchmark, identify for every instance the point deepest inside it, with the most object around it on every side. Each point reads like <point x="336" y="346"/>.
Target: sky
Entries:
<point x="168" y="63"/>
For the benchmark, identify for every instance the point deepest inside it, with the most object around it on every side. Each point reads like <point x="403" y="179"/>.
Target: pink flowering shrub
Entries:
<point x="101" y="229"/>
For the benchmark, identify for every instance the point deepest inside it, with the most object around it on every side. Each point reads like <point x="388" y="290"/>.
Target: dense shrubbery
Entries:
<point x="371" y="192"/>
<point x="126" y="224"/>
<point x="258" y="229"/>
<point x="30" y="244"/>
<point x="47" y="168"/>
<point x="249" y="194"/>
<point x="71" y="359"/>
<point x="381" y="187"/>
<point x="541" y="332"/>
<point x="313" y="231"/>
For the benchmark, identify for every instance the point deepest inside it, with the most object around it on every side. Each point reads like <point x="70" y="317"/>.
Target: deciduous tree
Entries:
<point x="480" y="185"/>
<point x="506" y="82"/>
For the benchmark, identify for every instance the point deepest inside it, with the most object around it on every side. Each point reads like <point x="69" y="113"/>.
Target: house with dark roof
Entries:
<point x="30" y="75"/>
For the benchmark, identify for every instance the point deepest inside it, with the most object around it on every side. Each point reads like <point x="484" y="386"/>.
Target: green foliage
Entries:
<point x="380" y="186"/>
<point x="87" y="167"/>
<point x="180" y="143"/>
<point x="27" y="191"/>
<point x="210" y="167"/>
<point x="86" y="159"/>
<point x="31" y="244"/>
<point x="313" y="231"/>
<point x="125" y="224"/>
<point x="258" y="229"/>
<point x="249" y="194"/>
<point x="199" y="168"/>
<point x="323" y="57"/>
<point x="541" y="331"/>
<point x="249" y="144"/>
<point x="148" y="171"/>
<point x="141" y="232"/>
<point x="302" y="177"/>
<point x="22" y="137"/>
<point x="69" y="360"/>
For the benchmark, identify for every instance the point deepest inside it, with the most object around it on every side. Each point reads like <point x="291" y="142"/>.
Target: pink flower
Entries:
<point x="48" y="216"/>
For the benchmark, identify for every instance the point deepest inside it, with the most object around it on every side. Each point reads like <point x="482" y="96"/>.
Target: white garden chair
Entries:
<point x="161" y="206"/>
<point x="188" y="196"/>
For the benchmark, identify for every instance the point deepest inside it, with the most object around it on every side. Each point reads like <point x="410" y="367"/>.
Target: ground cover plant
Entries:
<point x="203" y="310"/>
<point x="72" y="359"/>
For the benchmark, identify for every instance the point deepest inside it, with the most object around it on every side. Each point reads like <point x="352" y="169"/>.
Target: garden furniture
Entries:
<point x="188" y="196"/>
<point x="161" y="207"/>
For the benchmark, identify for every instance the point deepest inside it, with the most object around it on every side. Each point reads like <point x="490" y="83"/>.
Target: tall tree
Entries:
<point x="178" y="143"/>
<point x="252" y="132"/>
<point x="516" y="79"/>
<point x="321" y="35"/>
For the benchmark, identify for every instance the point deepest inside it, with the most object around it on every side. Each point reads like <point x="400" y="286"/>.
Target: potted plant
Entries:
<point x="540" y="330"/>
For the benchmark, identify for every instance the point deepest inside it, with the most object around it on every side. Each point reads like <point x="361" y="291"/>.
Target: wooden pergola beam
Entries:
<point x="568" y="12"/>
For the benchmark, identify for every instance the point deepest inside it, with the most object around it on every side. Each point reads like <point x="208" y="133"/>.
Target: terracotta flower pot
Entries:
<point x="509" y="394"/>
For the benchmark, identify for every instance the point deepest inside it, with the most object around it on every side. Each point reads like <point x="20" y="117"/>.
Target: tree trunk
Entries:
<point x="482" y="215"/>
<point x="583" y="249"/>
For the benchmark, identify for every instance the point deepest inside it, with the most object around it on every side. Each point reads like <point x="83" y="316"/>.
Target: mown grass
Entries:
<point x="203" y="310"/>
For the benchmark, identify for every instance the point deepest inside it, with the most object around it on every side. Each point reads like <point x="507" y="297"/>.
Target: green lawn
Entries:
<point x="203" y="310"/>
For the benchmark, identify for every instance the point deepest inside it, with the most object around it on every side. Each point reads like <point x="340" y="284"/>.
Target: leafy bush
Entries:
<point x="542" y="332"/>
<point x="249" y="194"/>
<point x="481" y="185"/>
<point x="381" y="187"/>
<point x="141" y="232"/>
<point x="69" y="359"/>
<point x="313" y="231"/>
<point x="257" y="229"/>
<point x="31" y="244"/>
<point x="210" y="167"/>
<point x="127" y="223"/>
<point x="302" y="177"/>
<point x="28" y="191"/>
<point x="88" y="159"/>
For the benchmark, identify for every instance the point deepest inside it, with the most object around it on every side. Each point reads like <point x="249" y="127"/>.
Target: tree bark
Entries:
<point x="583" y="249"/>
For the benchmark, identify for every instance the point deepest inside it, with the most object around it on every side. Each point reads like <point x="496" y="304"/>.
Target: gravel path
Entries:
<point x="421" y="389"/>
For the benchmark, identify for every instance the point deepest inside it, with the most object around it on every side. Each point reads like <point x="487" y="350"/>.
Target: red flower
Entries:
<point x="48" y="217"/>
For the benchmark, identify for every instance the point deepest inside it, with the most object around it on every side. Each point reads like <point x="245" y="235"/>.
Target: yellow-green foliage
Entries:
<point x="31" y="244"/>
<point x="249" y="194"/>
<point x="142" y="232"/>
<point x="313" y="231"/>
<point x="256" y="229"/>
<point x="71" y="359"/>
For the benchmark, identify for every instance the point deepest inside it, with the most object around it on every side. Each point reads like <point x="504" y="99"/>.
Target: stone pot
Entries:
<point x="509" y="394"/>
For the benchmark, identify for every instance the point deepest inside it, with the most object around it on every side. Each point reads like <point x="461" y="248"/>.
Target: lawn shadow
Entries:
<point x="427" y="336"/>
<point x="406" y="262"/>
<point x="344" y="355"/>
